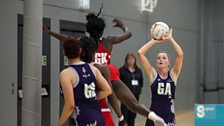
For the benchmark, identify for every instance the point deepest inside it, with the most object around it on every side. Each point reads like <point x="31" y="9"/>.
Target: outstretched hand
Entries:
<point x="168" y="35"/>
<point x="118" y="23"/>
<point x="157" y="41"/>
<point x="45" y="29"/>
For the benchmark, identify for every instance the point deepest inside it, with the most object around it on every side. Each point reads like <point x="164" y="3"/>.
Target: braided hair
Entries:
<point x="95" y="25"/>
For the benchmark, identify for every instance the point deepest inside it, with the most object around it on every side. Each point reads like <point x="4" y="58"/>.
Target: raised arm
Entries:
<point x="120" y="38"/>
<point x="66" y="84"/>
<point x="175" y="71"/>
<point x="60" y="37"/>
<point x="141" y="79"/>
<point x="147" y="67"/>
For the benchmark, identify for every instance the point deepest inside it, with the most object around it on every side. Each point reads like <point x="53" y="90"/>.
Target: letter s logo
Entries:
<point x="200" y="111"/>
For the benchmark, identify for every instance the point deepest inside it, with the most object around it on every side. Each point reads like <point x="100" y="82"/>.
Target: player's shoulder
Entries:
<point x="66" y="70"/>
<point x="67" y="73"/>
<point x="108" y="39"/>
<point x="101" y="68"/>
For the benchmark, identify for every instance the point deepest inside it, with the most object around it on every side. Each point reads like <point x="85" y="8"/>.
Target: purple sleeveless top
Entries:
<point x="87" y="110"/>
<point x="163" y="95"/>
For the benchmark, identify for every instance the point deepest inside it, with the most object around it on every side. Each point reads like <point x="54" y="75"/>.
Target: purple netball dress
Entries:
<point x="163" y="95"/>
<point x="87" y="110"/>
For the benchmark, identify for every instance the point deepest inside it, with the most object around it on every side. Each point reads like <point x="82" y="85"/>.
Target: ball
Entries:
<point x="158" y="30"/>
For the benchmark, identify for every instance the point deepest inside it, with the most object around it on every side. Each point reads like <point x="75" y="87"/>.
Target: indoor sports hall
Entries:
<point x="31" y="93"/>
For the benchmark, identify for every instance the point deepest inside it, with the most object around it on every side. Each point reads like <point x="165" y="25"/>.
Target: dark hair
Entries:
<point x="89" y="48"/>
<point x="95" y="26"/>
<point x="71" y="48"/>
<point x="126" y="60"/>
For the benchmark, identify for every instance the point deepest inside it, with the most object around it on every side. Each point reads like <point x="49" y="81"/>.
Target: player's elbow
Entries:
<point x="181" y="55"/>
<point x="109" y="91"/>
<point x="139" y="53"/>
<point x="71" y="105"/>
<point x="129" y="34"/>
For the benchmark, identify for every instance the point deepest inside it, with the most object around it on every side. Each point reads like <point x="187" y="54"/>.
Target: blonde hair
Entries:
<point x="168" y="55"/>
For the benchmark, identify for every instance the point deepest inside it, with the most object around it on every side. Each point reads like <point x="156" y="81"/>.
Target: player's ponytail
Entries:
<point x="100" y="10"/>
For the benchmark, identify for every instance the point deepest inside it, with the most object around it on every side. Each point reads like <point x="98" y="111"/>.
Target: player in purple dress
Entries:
<point x="79" y="82"/>
<point x="163" y="80"/>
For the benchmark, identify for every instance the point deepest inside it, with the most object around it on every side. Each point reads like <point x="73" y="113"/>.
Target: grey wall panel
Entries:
<point x="54" y="102"/>
<point x="8" y="41"/>
<point x="221" y="96"/>
<point x="213" y="44"/>
<point x="188" y="80"/>
<point x="45" y="71"/>
<point x="125" y="8"/>
<point x="1" y="81"/>
<point x="178" y="13"/>
<point x="186" y="32"/>
<point x="1" y="92"/>
<point x="211" y="97"/>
